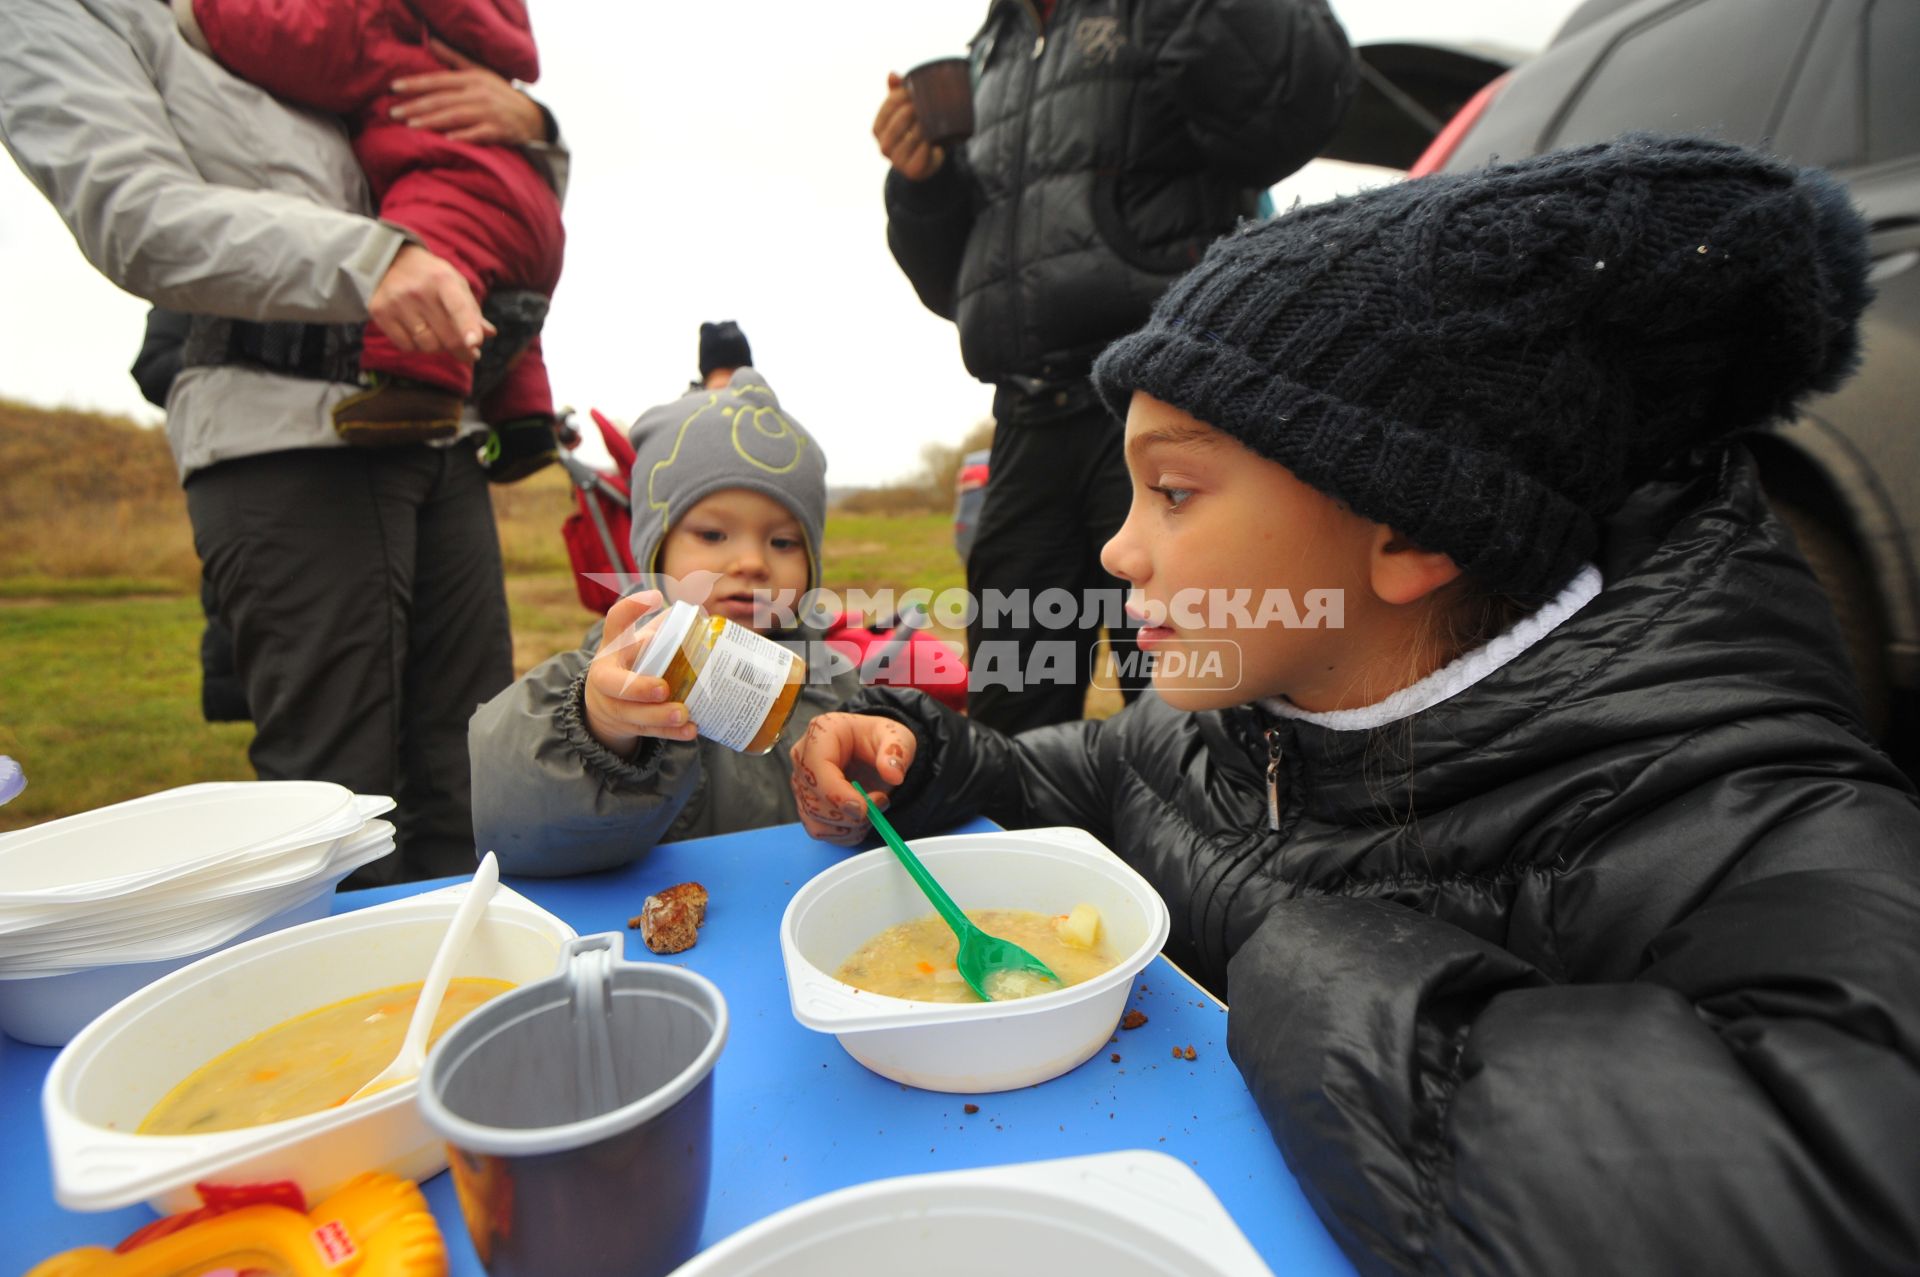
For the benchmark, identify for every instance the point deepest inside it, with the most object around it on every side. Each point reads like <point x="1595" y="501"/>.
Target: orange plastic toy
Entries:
<point x="377" y="1225"/>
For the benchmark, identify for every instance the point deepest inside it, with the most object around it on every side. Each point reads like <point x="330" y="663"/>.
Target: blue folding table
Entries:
<point x="794" y="1116"/>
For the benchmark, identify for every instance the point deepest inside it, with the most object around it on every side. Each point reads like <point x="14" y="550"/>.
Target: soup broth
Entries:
<point x="916" y="959"/>
<point x="311" y="1062"/>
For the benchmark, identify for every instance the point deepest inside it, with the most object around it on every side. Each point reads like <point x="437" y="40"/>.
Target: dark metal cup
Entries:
<point x="578" y="1114"/>
<point x="942" y="94"/>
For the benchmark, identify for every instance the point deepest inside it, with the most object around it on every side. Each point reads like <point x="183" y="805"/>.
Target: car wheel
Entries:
<point x="1849" y="588"/>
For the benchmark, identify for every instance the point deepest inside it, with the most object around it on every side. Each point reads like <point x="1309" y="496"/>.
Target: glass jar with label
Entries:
<point x="739" y="687"/>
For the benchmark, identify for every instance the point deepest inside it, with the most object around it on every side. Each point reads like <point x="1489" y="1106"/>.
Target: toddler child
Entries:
<point x="1568" y="920"/>
<point x="583" y="765"/>
<point x="485" y="209"/>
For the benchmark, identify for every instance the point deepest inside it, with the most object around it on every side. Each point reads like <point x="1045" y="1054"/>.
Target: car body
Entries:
<point x="1831" y="83"/>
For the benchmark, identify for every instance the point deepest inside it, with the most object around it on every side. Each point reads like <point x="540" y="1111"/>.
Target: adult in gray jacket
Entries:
<point x="363" y="588"/>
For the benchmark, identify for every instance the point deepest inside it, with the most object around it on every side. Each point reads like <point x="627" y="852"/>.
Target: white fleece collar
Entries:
<point x="1458" y="674"/>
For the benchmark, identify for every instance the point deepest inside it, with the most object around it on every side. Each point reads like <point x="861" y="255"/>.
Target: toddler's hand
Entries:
<point x="623" y="706"/>
<point x="865" y="747"/>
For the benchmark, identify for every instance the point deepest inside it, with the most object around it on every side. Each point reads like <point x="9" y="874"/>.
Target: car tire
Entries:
<point x="1849" y="588"/>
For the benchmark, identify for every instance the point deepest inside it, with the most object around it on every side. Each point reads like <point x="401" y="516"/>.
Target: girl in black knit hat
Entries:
<point x="1568" y="920"/>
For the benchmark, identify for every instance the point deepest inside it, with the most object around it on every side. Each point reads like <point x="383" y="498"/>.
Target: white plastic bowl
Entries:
<point x="980" y="1046"/>
<point x="46" y="1001"/>
<point x="1128" y="1214"/>
<point x="110" y="1076"/>
<point x="124" y="847"/>
<point x="140" y="929"/>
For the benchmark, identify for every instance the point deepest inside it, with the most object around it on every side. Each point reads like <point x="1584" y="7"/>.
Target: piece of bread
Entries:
<point x="669" y="920"/>
<point x="693" y="894"/>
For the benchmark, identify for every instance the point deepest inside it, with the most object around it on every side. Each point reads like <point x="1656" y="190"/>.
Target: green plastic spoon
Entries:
<point x="980" y="954"/>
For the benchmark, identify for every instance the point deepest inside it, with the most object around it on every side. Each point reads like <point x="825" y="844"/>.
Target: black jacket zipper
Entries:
<point x="1274" y="755"/>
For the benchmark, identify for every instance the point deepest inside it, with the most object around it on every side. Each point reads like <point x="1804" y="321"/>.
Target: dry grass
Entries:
<point x="529" y="514"/>
<point x="89" y="505"/>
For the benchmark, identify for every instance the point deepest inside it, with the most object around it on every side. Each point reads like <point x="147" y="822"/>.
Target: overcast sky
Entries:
<point x="723" y="168"/>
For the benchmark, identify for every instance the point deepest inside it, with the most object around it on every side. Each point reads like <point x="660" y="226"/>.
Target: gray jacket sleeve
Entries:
<point x="548" y="798"/>
<point x="82" y="114"/>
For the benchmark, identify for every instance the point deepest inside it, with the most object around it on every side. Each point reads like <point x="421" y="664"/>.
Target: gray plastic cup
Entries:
<point x="578" y="1115"/>
<point x="942" y="95"/>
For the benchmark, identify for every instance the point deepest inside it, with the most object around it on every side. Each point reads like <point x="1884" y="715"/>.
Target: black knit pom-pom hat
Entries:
<point x="1488" y="362"/>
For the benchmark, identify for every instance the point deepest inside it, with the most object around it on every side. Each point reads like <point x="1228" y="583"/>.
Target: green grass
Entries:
<point x="899" y="552"/>
<point x="100" y="701"/>
<point x="85" y="587"/>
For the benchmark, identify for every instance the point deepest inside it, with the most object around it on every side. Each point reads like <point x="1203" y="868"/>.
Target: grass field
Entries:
<point x="100" y="617"/>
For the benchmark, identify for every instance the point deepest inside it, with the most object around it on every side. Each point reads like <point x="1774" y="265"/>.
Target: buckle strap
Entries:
<point x="331" y="352"/>
<point x="316" y="352"/>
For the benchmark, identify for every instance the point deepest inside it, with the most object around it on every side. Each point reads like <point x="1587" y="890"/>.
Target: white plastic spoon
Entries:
<point x="412" y="1056"/>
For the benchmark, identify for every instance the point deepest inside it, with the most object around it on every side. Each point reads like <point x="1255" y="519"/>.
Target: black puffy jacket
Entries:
<point x="1611" y="962"/>
<point x="1107" y="154"/>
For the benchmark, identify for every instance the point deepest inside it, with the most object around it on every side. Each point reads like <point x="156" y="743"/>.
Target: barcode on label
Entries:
<point x="760" y="680"/>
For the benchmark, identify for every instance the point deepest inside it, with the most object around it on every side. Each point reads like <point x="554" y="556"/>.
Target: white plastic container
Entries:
<point x="48" y="1001"/>
<point x="981" y="1046"/>
<point x="118" y="849"/>
<point x="1128" y="1214"/>
<point x="110" y="1076"/>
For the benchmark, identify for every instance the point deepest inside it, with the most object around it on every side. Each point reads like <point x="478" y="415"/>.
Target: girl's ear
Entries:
<point x="1404" y="573"/>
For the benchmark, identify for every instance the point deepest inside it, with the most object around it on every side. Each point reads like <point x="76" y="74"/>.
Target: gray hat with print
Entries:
<point x="707" y="441"/>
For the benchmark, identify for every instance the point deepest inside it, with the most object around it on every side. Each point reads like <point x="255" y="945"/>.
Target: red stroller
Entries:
<point x="599" y="537"/>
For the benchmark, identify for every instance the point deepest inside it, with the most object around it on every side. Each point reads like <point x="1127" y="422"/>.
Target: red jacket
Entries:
<point x="483" y="208"/>
<point x="342" y="56"/>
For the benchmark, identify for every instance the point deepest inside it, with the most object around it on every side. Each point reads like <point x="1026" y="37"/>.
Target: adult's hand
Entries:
<point x="896" y="127"/>
<point x="838" y="748"/>
<point x="468" y="102"/>
<point x="423" y="304"/>
<point x="623" y="706"/>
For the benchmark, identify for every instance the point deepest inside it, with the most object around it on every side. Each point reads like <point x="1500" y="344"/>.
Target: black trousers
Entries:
<point x="365" y="596"/>
<point x="1057" y="490"/>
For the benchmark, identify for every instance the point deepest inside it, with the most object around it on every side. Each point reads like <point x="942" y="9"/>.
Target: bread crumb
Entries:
<point x="1133" y="1019"/>
<point x="1189" y="1053"/>
<point x="1177" y="1055"/>
<point x="1114" y="1057"/>
<point x="969" y="1108"/>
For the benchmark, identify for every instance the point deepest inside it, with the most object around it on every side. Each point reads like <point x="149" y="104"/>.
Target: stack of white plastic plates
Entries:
<point x="97" y="905"/>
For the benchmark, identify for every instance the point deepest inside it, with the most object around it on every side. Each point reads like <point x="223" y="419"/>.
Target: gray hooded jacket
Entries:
<point x="551" y="800"/>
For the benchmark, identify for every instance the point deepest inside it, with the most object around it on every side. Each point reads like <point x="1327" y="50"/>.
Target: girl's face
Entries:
<point x="1230" y="559"/>
<point x="736" y="552"/>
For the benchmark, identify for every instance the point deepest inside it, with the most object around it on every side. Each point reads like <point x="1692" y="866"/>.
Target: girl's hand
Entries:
<point x="468" y="102"/>
<point x="836" y="748"/>
<point x="623" y="706"/>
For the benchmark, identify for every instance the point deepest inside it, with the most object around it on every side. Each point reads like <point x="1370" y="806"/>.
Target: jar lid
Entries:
<point x="666" y="640"/>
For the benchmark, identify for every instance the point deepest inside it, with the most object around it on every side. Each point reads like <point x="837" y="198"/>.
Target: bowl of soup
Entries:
<point x="202" y="1076"/>
<point x="910" y="1023"/>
